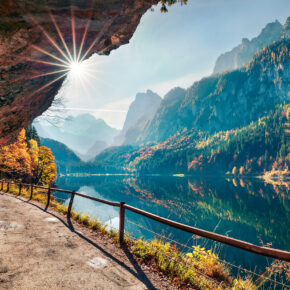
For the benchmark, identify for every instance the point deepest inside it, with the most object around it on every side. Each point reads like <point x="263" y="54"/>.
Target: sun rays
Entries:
<point x="64" y="58"/>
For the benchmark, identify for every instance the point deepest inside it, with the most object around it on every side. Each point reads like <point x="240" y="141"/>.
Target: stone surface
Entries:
<point x="24" y="24"/>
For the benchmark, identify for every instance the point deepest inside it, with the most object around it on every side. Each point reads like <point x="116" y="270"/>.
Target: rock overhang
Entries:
<point x="26" y="87"/>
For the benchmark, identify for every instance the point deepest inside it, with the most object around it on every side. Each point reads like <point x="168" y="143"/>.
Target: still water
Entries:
<point x="251" y="210"/>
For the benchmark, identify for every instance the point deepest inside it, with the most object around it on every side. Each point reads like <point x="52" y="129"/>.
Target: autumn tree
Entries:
<point x="15" y="159"/>
<point x="46" y="172"/>
<point x="24" y="159"/>
<point x="33" y="151"/>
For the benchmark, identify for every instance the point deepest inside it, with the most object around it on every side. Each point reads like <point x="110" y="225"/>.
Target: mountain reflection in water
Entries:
<point x="248" y="209"/>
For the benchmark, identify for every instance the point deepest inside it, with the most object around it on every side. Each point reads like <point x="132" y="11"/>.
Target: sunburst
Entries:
<point x="67" y="61"/>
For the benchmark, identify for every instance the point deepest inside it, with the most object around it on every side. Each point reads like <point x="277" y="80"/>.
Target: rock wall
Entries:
<point x="26" y="87"/>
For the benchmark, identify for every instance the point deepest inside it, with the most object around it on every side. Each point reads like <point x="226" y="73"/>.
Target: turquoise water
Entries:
<point x="250" y="210"/>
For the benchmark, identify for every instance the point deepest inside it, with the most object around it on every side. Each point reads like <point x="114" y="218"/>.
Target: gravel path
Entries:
<point x="38" y="250"/>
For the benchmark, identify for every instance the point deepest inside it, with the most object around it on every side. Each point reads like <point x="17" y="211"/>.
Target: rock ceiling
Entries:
<point x="31" y="31"/>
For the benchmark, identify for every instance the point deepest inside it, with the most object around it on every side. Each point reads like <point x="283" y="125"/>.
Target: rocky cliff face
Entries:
<point x="286" y="29"/>
<point x="27" y="88"/>
<point x="140" y="112"/>
<point x="241" y="54"/>
<point x="165" y="122"/>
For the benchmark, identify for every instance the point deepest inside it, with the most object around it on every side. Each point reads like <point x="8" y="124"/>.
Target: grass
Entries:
<point x="191" y="269"/>
<point x="200" y="269"/>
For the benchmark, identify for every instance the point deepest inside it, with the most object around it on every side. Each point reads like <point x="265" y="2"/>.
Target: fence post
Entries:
<point x="70" y="204"/>
<point x="122" y="222"/>
<point x="20" y="187"/>
<point x="2" y="184"/>
<point x="31" y="192"/>
<point x="8" y="186"/>
<point x="48" y="197"/>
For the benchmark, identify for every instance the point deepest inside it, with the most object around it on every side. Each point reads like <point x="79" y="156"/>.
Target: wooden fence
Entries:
<point x="264" y="251"/>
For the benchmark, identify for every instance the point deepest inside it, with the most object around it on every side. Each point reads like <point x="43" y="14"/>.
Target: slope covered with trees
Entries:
<point x="225" y="101"/>
<point x="64" y="157"/>
<point x="252" y="149"/>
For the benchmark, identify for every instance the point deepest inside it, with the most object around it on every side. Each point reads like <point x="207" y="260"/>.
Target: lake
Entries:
<point x="248" y="209"/>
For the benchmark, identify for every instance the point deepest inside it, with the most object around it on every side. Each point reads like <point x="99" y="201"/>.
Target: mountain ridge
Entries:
<point x="225" y="101"/>
<point x="242" y="53"/>
<point x="140" y="112"/>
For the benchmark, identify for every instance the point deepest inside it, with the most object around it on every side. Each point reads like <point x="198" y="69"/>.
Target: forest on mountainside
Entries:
<point x="260" y="146"/>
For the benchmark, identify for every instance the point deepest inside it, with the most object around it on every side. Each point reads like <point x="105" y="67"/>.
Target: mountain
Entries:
<point x="140" y="112"/>
<point x="225" y="101"/>
<point x="241" y="54"/>
<point x="97" y="148"/>
<point x="164" y="122"/>
<point x="286" y="29"/>
<point x="252" y="149"/>
<point x="236" y="121"/>
<point x="64" y="157"/>
<point x="80" y="133"/>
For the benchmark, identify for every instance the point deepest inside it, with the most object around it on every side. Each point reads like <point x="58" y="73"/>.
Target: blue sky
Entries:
<point x="168" y="50"/>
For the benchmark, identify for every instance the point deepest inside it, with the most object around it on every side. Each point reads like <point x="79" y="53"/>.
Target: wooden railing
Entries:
<point x="264" y="251"/>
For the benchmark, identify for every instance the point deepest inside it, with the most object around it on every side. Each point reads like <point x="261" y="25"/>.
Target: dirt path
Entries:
<point x="38" y="250"/>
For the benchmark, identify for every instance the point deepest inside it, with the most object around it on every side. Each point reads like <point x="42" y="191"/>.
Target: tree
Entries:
<point x="25" y="160"/>
<point x="166" y="3"/>
<point x="46" y="172"/>
<point x="15" y="159"/>
<point x="31" y="133"/>
<point x="33" y="151"/>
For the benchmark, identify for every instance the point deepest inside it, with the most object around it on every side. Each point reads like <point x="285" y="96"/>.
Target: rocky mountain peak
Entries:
<point x="140" y="111"/>
<point x="286" y="29"/>
<point x="241" y="54"/>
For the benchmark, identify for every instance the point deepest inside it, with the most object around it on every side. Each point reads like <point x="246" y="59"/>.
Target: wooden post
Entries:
<point x="20" y="187"/>
<point x="122" y="222"/>
<point x="31" y="191"/>
<point x="70" y="204"/>
<point x="2" y="184"/>
<point x="8" y="186"/>
<point x="48" y="197"/>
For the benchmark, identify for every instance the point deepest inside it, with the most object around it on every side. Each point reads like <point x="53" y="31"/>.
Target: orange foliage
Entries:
<point x="20" y="160"/>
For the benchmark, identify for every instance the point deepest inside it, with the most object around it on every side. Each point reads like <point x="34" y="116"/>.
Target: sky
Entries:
<point x="167" y="50"/>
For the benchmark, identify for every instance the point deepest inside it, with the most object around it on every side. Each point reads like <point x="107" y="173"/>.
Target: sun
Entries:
<point x="69" y="62"/>
<point x="76" y="68"/>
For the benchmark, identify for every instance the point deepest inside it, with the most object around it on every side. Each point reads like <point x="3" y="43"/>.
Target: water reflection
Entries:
<point x="251" y="210"/>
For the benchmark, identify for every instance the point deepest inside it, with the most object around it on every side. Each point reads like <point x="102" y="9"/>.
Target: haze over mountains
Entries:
<point x="227" y="100"/>
<point x="238" y="119"/>
<point x="253" y="79"/>
<point x="241" y="54"/>
<point x="84" y="134"/>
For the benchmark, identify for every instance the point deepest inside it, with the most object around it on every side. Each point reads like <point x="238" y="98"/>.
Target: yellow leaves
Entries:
<point x="20" y="160"/>
<point x="46" y="165"/>
<point x="15" y="159"/>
